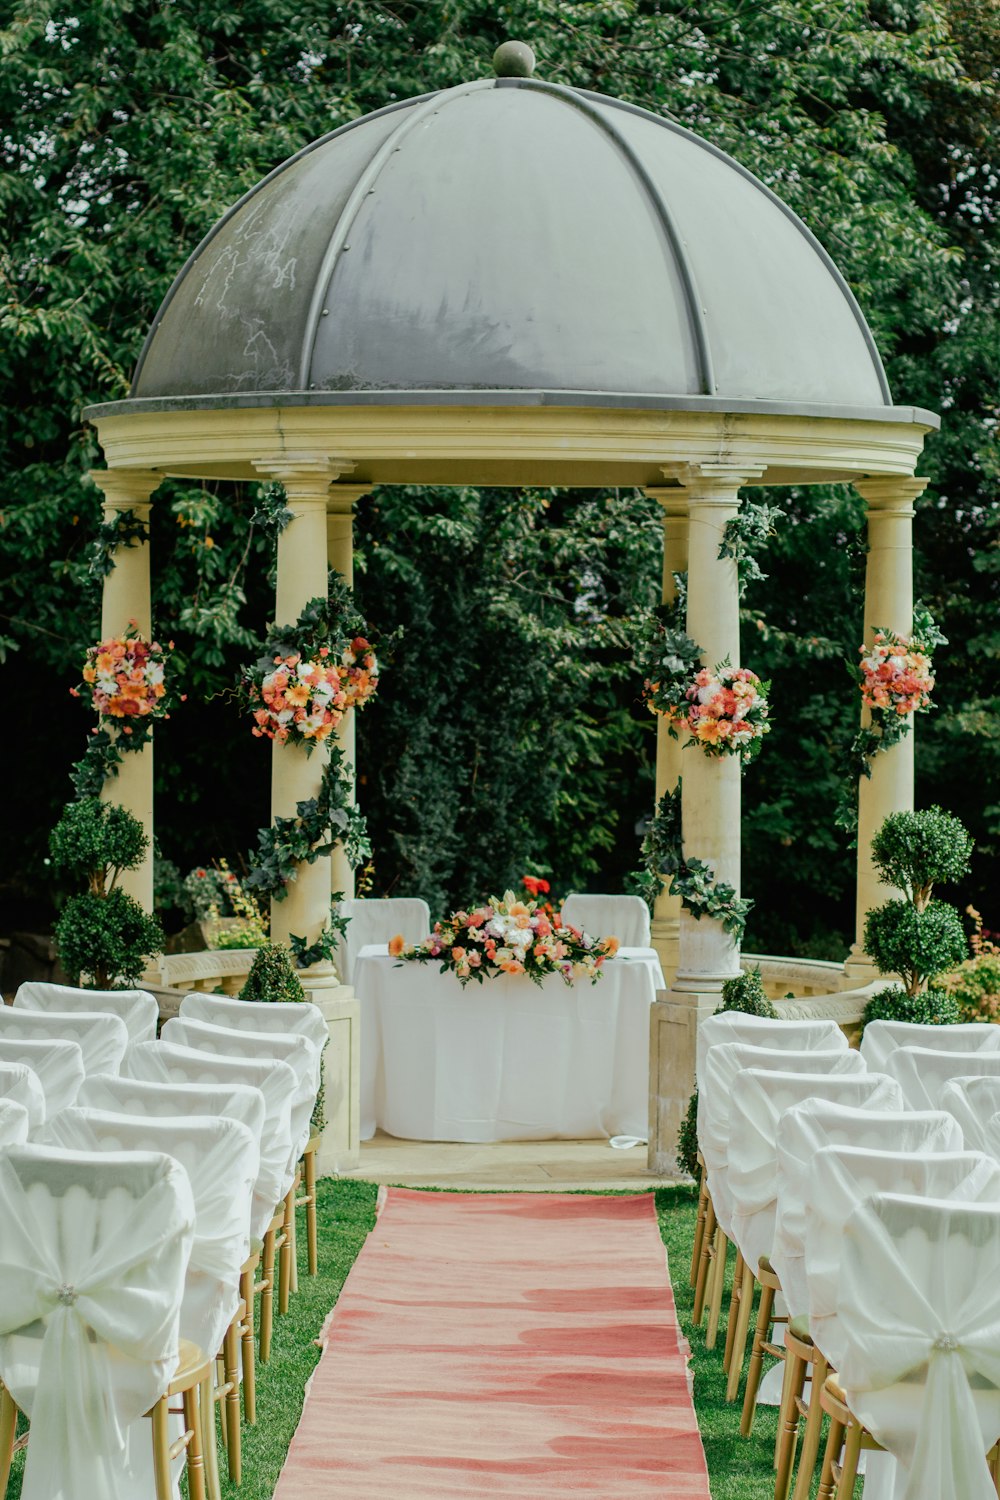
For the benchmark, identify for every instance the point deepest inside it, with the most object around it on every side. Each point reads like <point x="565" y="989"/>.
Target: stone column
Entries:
<point x="340" y="556"/>
<point x="888" y="606"/>
<point x="710" y="803"/>
<point x="667" y="908"/>
<point x="126" y="597"/>
<point x="296" y="776"/>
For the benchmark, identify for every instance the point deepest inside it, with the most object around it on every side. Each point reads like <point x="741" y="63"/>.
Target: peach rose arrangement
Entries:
<point x="124" y="677"/>
<point x="895" y="674"/>
<point x="509" y="937"/>
<point x="725" y="711"/>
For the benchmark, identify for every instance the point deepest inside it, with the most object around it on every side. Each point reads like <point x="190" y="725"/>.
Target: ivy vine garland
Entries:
<point x="691" y="879"/>
<point x="745" y="535"/>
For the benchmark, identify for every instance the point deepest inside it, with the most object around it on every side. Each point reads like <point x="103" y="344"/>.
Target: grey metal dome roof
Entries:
<point x="512" y="236"/>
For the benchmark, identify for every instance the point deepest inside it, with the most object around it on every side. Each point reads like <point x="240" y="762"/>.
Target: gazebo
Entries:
<point x="511" y="282"/>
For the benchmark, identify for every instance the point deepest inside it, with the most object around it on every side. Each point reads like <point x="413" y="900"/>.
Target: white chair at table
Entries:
<point x="13" y="1123"/>
<point x="306" y="1061"/>
<point x="377" y="921"/>
<point x="918" y="1313"/>
<point x="623" y="917"/>
<point x="973" y="1102"/>
<point x="805" y="1129"/>
<point x="221" y="1159"/>
<point x="163" y="1062"/>
<point x="758" y="1101"/>
<point x="19" y="1085"/>
<point x="923" y="1074"/>
<point x="883" y="1037"/>
<point x="137" y="1008"/>
<point x="101" y="1037"/>
<point x="304" y="1019"/>
<point x="722" y="1064"/>
<point x="94" y="1251"/>
<point x="58" y="1067"/>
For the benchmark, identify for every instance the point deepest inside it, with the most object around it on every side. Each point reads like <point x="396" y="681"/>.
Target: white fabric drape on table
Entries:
<point x="137" y="1008"/>
<point x="723" y="1065"/>
<point x="973" y="1102"/>
<point x="160" y="1062"/>
<point x="119" y="1095"/>
<point x="758" y="1104"/>
<point x="221" y="1159"/>
<point x="13" y="1123"/>
<point x="378" y="922"/>
<point x="58" y="1066"/>
<point x="102" y="1038"/>
<point x="92" y="1258"/>
<point x="300" y="1017"/>
<point x="922" y="1074"/>
<point x="623" y="917"/>
<point x="19" y="1084"/>
<point x="805" y="1129"/>
<point x="881" y="1038"/>
<point x="919" y="1306"/>
<point x="297" y="1051"/>
<point x="762" y="1031"/>
<point x="843" y="1177"/>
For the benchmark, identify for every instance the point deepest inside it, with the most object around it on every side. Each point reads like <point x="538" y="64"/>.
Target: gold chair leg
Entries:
<point x="699" y="1228"/>
<point x="195" y="1450"/>
<point x="8" y="1427"/>
<point x="162" y="1480"/>
<point x="849" y="1463"/>
<point x="210" y="1442"/>
<point x="720" y="1249"/>
<point x="292" y="1231"/>
<point x="788" y="1423"/>
<point x="734" y="1309"/>
<point x="705" y="1264"/>
<point x="312" y="1236"/>
<point x="231" y="1402"/>
<point x="267" y="1296"/>
<point x="756" y="1367"/>
<point x="812" y="1431"/>
<point x="744" y="1314"/>
<point x="285" y="1253"/>
<point x="248" y="1352"/>
<point x="831" y="1456"/>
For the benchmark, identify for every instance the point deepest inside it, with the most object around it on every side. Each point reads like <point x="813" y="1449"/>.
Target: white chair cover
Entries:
<point x="722" y="1065"/>
<point x="92" y="1258"/>
<point x="160" y="1062"/>
<point x="58" y="1066"/>
<point x="102" y="1038"/>
<point x="19" y="1085"/>
<point x="844" y="1177"/>
<point x="13" y="1123"/>
<point x="221" y="1159"/>
<point x="920" y="1309"/>
<point x="973" y="1102"/>
<point x="922" y="1074"/>
<point x="758" y="1104"/>
<point x="623" y="917"/>
<point x="762" y="1031"/>
<point x="296" y="1017"/>
<point x="119" y="1095"/>
<point x="137" y="1008"/>
<point x="378" y="922"/>
<point x="805" y="1129"/>
<point x="297" y="1051"/>
<point x="883" y="1037"/>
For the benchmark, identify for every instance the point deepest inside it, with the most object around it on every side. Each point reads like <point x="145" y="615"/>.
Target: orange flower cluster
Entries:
<point x="302" y="698"/>
<point x="509" y="937"/>
<point x="124" y="678"/>
<point x="359" y="673"/>
<point x="726" y="711"/>
<point x="896" y="675"/>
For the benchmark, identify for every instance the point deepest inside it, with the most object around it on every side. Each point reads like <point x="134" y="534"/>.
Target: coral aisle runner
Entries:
<point x="512" y="1345"/>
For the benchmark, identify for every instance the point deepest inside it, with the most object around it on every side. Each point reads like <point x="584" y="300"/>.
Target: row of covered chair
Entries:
<point x="122" y="1159"/>
<point x="862" y="1192"/>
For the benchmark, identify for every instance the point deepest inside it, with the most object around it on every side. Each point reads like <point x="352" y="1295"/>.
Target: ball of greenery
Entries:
<point x="914" y="851"/>
<point x="272" y="976"/>
<point x="105" y="940"/>
<point x="687" y="1140"/>
<point x="95" y="838"/>
<point x="933" y="1007"/>
<point x="915" y="944"/>
<point x="746" y="993"/>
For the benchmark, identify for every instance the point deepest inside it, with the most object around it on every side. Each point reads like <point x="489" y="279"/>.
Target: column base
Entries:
<point x="673" y="1030"/>
<point x="859" y="969"/>
<point x="340" y="1146"/>
<point x="666" y="940"/>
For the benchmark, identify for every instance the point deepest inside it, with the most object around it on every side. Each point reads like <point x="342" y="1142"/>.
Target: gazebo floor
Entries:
<point x="524" y="1166"/>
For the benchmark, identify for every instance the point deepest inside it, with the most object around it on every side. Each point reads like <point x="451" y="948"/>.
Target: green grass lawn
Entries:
<point x="739" y="1470"/>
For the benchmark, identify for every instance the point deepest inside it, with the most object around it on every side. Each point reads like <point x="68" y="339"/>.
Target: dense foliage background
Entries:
<point x="508" y="735"/>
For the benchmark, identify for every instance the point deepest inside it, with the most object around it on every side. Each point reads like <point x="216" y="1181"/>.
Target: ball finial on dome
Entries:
<point x="513" y="60"/>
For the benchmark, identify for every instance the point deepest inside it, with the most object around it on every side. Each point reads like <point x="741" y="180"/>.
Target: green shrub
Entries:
<point x="932" y="1007"/>
<point x="272" y="977"/>
<point x="915" y="851"/>
<point x="915" y="944"/>
<point x="103" y="935"/>
<point x="975" y="987"/>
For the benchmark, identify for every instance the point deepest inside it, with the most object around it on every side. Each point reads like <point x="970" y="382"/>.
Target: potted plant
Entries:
<point x="272" y="978"/>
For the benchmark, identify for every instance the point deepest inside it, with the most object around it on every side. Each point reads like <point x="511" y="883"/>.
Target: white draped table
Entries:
<point x="506" y="1060"/>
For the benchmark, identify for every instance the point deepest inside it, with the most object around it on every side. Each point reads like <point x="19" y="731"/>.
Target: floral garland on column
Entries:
<point x="125" y="681"/>
<point x="896" y="678"/>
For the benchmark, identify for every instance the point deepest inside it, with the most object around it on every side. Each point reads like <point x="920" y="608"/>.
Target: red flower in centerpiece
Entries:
<point x="535" y="886"/>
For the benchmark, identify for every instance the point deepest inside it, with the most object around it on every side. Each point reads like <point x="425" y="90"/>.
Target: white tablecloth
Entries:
<point x="505" y="1060"/>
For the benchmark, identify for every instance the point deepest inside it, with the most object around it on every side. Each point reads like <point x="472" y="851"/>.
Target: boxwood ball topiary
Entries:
<point x="933" y="1007"/>
<point x="915" y="944"/>
<point x="105" y="940"/>
<point x="914" y="851"/>
<point x="93" y="836"/>
<point x="272" y="976"/>
<point x="746" y="993"/>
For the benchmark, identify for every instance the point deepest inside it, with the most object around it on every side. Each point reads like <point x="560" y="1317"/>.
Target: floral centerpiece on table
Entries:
<point x="509" y="937"/>
<point x="725" y="711"/>
<point x="124" y="681"/>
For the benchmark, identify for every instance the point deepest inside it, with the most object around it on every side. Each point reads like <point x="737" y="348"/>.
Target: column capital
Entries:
<point x="714" y="483"/>
<point x="892" y="492"/>
<point x="125" y="489"/>
<point x="304" y="471"/>
<point x="342" y="498"/>
<point x="671" y="498"/>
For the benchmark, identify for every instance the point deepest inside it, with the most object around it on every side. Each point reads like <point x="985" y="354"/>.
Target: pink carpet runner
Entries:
<point x="510" y="1345"/>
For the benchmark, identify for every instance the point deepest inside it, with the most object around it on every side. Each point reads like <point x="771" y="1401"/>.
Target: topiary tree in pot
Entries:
<point x="915" y="935"/>
<point x="103" y="935"/>
<point x="272" y="977"/>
